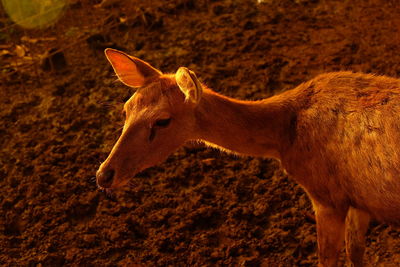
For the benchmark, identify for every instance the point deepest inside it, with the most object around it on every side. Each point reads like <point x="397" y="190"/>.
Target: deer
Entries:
<point x="337" y="135"/>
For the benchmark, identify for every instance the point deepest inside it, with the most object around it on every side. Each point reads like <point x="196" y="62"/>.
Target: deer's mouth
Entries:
<point x="107" y="179"/>
<point x="115" y="186"/>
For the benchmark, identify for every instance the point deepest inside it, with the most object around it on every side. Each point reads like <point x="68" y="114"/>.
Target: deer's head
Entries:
<point x="159" y="117"/>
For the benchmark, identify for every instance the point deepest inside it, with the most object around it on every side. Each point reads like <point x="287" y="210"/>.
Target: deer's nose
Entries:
<point x="105" y="178"/>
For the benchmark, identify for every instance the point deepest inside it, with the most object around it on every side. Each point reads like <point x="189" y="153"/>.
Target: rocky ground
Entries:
<point x="201" y="207"/>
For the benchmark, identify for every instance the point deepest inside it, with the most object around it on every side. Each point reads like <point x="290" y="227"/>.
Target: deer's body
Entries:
<point x="344" y="142"/>
<point x="336" y="135"/>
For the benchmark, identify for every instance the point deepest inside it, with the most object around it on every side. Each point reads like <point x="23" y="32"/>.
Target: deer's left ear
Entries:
<point x="189" y="84"/>
<point x="130" y="70"/>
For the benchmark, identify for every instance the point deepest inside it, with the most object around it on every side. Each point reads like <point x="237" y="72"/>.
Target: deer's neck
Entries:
<point x="257" y="128"/>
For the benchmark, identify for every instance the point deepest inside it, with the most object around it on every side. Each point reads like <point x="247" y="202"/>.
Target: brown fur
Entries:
<point x="336" y="135"/>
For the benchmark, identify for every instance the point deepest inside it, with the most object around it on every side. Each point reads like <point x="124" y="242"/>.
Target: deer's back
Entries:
<point x="345" y="150"/>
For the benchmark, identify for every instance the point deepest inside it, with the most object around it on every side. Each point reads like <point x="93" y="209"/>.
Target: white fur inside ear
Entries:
<point x="189" y="84"/>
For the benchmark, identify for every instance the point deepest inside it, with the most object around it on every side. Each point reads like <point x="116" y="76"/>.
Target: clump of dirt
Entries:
<point x="201" y="206"/>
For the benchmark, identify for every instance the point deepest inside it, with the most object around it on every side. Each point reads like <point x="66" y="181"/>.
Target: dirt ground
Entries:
<point x="201" y="207"/>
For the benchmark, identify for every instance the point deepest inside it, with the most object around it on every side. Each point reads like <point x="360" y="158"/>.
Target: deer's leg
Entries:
<point x="330" y="234"/>
<point x="357" y="222"/>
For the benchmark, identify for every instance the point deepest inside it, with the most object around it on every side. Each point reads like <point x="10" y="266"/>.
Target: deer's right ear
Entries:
<point x="130" y="70"/>
<point x="189" y="84"/>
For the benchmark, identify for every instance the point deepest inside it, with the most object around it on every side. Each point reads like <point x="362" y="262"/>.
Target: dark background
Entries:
<point x="60" y="116"/>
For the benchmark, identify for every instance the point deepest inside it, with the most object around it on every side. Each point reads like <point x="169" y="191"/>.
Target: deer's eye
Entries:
<point x="162" y="122"/>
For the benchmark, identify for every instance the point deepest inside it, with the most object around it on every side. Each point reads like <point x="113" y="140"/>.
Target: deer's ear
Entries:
<point x="189" y="84"/>
<point x="130" y="70"/>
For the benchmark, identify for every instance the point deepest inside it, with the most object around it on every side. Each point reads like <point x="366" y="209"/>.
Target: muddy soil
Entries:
<point x="201" y="207"/>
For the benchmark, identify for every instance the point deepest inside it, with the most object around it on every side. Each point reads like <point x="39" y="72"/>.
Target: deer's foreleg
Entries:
<point x="357" y="222"/>
<point x="330" y="234"/>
